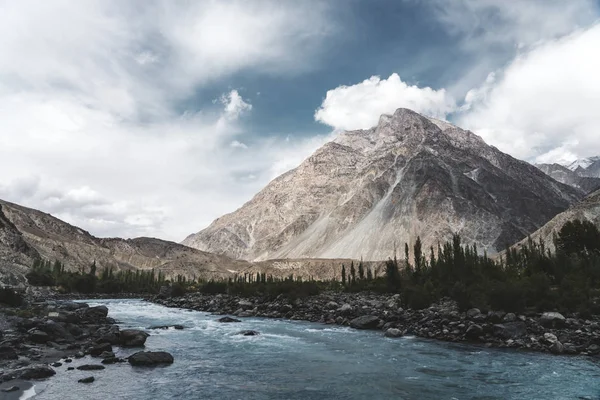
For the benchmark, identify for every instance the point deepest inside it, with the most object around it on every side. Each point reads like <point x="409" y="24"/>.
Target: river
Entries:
<point x="300" y="360"/>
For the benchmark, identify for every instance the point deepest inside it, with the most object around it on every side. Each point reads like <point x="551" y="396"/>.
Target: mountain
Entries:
<point x="573" y="177"/>
<point x="586" y="166"/>
<point x="26" y="234"/>
<point x="368" y="192"/>
<point x="586" y="210"/>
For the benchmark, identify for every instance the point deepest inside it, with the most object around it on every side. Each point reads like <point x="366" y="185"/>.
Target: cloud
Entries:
<point x="359" y="106"/>
<point x="99" y="106"/>
<point x="544" y="105"/>
<point x="490" y="33"/>
<point x="234" y="105"/>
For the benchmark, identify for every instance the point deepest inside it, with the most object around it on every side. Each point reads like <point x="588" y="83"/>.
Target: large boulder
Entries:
<point x="90" y="367"/>
<point x="473" y="312"/>
<point x="248" y="333"/>
<point x="56" y="331"/>
<point x="474" y="331"/>
<point x="133" y="338"/>
<point x="100" y="348"/>
<point x="27" y="373"/>
<point x="510" y="330"/>
<point x="38" y="336"/>
<point x="150" y="358"/>
<point x="552" y="320"/>
<point x="365" y="322"/>
<point x="93" y="314"/>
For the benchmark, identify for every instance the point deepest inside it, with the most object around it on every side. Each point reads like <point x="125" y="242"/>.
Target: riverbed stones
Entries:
<point x="365" y="322"/>
<point x="150" y="358"/>
<point x="473" y="312"/>
<point x="133" y="338"/>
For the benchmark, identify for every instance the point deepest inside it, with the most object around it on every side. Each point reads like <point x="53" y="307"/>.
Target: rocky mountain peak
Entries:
<point x="368" y="191"/>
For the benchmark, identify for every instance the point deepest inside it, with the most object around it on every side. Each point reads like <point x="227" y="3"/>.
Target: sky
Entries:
<point x="154" y="117"/>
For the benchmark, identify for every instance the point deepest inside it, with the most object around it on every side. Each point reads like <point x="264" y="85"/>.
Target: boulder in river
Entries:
<point x="89" y="379"/>
<point x="133" y="338"/>
<point x="248" y="333"/>
<point x="27" y="373"/>
<point x="90" y="367"/>
<point x="93" y="314"/>
<point x="178" y="327"/>
<point x="393" y="333"/>
<point x="228" y="319"/>
<point x="365" y="322"/>
<point x="150" y="358"/>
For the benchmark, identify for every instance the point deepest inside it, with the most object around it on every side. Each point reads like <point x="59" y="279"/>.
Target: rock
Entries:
<point x="57" y="364"/>
<point x="247" y="313"/>
<point x="38" y="336"/>
<point x="474" y="331"/>
<point x="345" y="308"/>
<point x="593" y="349"/>
<point x="99" y="349"/>
<point x="8" y="353"/>
<point x="70" y="368"/>
<point x="473" y="312"/>
<point x="510" y="317"/>
<point x="332" y="305"/>
<point x="552" y="320"/>
<point x="495" y="316"/>
<point x="393" y="333"/>
<point x="228" y="319"/>
<point x="510" y="330"/>
<point x="365" y="322"/>
<point x="557" y="348"/>
<point x="179" y="327"/>
<point x="93" y="314"/>
<point x="245" y="304"/>
<point x="29" y="372"/>
<point x="248" y="333"/>
<point x="133" y="338"/>
<point x="111" y="360"/>
<point x="150" y="358"/>
<point x="550" y="338"/>
<point x="89" y="379"/>
<point x="79" y="354"/>
<point x="107" y="354"/>
<point x="90" y="367"/>
<point x="10" y="389"/>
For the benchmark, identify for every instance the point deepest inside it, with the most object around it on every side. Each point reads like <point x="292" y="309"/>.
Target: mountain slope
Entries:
<point x="587" y="209"/>
<point x="572" y="177"/>
<point x="26" y="233"/>
<point x="370" y="191"/>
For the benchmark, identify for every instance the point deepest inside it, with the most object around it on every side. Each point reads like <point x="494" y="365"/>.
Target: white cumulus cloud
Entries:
<point x="359" y="106"/>
<point x="544" y="105"/>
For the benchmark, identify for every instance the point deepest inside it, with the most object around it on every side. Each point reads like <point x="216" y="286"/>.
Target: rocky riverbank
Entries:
<point x="38" y="338"/>
<point x="544" y="332"/>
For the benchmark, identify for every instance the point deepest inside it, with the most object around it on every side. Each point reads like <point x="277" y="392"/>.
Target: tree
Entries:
<point x="352" y="274"/>
<point x="343" y="275"/>
<point x="361" y="270"/>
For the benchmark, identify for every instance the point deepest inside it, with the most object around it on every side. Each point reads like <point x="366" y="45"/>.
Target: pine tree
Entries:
<point x="343" y="275"/>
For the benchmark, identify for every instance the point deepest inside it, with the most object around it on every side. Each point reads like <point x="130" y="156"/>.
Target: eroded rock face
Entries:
<point x="370" y="190"/>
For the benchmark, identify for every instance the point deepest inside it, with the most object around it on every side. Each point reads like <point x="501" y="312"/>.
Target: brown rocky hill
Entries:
<point x="586" y="210"/>
<point x="26" y="234"/>
<point x="370" y="191"/>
